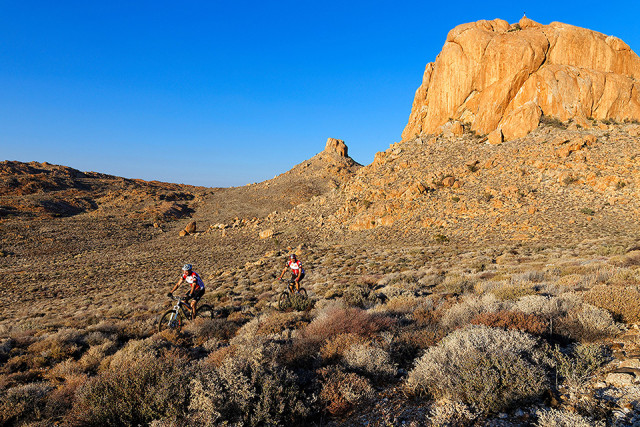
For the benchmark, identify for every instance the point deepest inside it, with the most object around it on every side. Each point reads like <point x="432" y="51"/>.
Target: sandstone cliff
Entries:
<point x="501" y="77"/>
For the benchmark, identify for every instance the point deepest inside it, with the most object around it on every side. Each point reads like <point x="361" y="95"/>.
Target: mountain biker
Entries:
<point x="297" y="272"/>
<point x="195" y="292"/>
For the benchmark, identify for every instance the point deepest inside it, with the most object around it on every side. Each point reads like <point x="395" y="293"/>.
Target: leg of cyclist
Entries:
<point x="298" y="280"/>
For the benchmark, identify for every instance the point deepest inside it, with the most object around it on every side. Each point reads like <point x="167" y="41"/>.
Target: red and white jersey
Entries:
<point x="295" y="266"/>
<point x="192" y="279"/>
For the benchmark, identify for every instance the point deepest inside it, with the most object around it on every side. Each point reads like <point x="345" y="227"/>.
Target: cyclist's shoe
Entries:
<point x="170" y="295"/>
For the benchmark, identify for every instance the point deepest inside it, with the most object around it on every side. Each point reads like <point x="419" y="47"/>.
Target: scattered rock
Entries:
<point x="190" y="228"/>
<point x="618" y="379"/>
<point x="265" y="234"/>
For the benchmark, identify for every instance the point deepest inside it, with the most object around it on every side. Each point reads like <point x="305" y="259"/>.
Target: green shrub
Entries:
<point x="489" y="369"/>
<point x="512" y="293"/>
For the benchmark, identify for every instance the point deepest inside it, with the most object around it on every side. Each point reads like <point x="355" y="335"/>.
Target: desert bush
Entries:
<point x="563" y="418"/>
<point x="579" y="362"/>
<point x="589" y="323"/>
<point x="23" y="403"/>
<point x="336" y="346"/>
<point x="370" y="360"/>
<point x="462" y="313"/>
<point x="530" y="323"/>
<point x="512" y="292"/>
<point x="246" y="391"/>
<point x="455" y="284"/>
<point x="59" y="346"/>
<point x="337" y="321"/>
<point x="133" y="391"/>
<point x="409" y="343"/>
<point x="621" y="302"/>
<point x="92" y="358"/>
<point x="490" y="369"/>
<point x="629" y="259"/>
<point x="548" y="306"/>
<point x="342" y="391"/>
<point x="359" y="296"/>
<point x="447" y="413"/>
<point x="202" y="330"/>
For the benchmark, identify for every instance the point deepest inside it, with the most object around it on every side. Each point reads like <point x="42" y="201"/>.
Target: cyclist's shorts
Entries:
<point x="196" y="295"/>
<point x="293" y="276"/>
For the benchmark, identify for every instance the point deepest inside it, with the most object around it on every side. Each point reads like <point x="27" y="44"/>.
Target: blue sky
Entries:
<point x="227" y="93"/>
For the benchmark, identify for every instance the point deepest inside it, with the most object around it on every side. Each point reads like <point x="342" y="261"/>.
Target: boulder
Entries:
<point x="265" y="234"/>
<point x="191" y="227"/>
<point x="499" y="76"/>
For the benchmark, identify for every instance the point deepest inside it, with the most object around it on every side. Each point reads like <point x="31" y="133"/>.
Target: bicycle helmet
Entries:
<point x="292" y="256"/>
<point x="187" y="267"/>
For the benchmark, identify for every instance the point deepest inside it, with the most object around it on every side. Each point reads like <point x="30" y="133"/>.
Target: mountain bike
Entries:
<point x="176" y="317"/>
<point x="291" y="296"/>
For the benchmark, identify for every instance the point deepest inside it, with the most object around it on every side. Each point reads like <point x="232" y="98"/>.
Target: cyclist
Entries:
<point x="297" y="272"/>
<point x="197" y="287"/>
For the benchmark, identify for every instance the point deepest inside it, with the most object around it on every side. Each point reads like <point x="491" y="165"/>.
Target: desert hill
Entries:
<point x="459" y="279"/>
<point x="501" y="77"/>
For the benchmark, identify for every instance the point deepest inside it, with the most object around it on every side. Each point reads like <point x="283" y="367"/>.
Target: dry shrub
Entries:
<point x="548" y="306"/>
<point x="449" y="413"/>
<point x="406" y="304"/>
<point x="23" y="403"/>
<point x="621" y="302"/>
<point x="587" y="324"/>
<point x="578" y="364"/>
<point x="513" y="292"/>
<point x="564" y="418"/>
<point x="246" y="391"/>
<point x="461" y="314"/>
<point x="60" y="400"/>
<point x="629" y="259"/>
<point x="137" y="389"/>
<point x="277" y="322"/>
<point x="342" y="391"/>
<point x="455" y="284"/>
<point x="336" y="321"/>
<point x="530" y="323"/>
<point x="336" y="346"/>
<point x="410" y="342"/>
<point x="489" y="369"/>
<point x="92" y="358"/>
<point x="59" y="346"/>
<point x="359" y="296"/>
<point x="370" y="360"/>
<point x="202" y="330"/>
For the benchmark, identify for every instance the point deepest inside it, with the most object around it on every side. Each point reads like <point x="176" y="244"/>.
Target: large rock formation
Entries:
<point x="498" y="76"/>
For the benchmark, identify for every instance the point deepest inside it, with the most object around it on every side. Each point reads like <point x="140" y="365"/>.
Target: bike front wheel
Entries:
<point x="205" y="311"/>
<point x="284" y="301"/>
<point x="170" y="320"/>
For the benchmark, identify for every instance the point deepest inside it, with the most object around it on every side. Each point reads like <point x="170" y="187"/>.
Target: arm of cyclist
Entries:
<point x="286" y="267"/>
<point x="176" y="287"/>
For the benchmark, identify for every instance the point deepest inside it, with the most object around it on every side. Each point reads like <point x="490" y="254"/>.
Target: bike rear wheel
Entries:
<point x="205" y="311"/>
<point x="170" y="320"/>
<point x="303" y="292"/>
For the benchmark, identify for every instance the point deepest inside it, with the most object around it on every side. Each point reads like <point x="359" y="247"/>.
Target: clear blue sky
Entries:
<point x="222" y="93"/>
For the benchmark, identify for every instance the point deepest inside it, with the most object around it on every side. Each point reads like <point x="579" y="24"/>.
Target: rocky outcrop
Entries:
<point x="336" y="146"/>
<point x="497" y="76"/>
